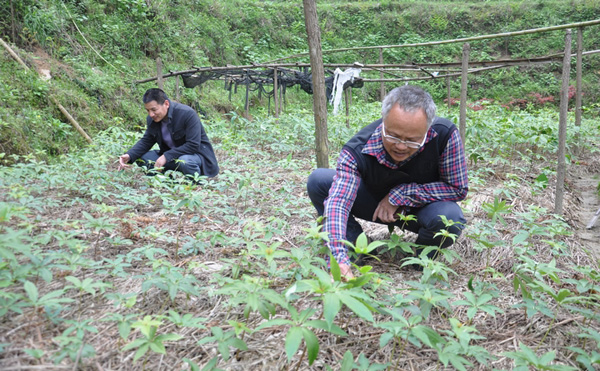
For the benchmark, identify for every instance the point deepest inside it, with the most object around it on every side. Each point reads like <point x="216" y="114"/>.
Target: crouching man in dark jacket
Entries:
<point x="182" y="141"/>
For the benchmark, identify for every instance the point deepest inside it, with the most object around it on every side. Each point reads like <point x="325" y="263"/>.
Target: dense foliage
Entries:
<point x="96" y="49"/>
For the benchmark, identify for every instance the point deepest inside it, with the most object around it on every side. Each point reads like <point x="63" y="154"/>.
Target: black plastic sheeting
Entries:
<point x="256" y="80"/>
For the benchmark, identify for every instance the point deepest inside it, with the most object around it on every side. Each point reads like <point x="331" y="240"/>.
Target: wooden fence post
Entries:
<point x="449" y="95"/>
<point x="348" y="99"/>
<point x="562" y="126"/>
<point x="159" y="77"/>
<point x="382" y="86"/>
<point x="275" y="95"/>
<point x="247" y="102"/>
<point x="318" y="82"/>
<point x="578" y="78"/>
<point x="463" y="92"/>
<point x="177" y="88"/>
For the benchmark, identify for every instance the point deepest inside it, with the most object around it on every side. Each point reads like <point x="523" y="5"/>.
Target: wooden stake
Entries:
<point x="318" y="82"/>
<point x="13" y="54"/>
<point x="382" y="86"/>
<point x="275" y="89"/>
<point x="60" y="107"/>
<point x="71" y="120"/>
<point x="159" y="75"/>
<point x="449" y="90"/>
<point x="578" y="78"/>
<point x="463" y="92"/>
<point x="562" y="127"/>
<point x="348" y="99"/>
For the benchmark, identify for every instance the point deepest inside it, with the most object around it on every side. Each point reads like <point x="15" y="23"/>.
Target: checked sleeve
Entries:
<point x="339" y="203"/>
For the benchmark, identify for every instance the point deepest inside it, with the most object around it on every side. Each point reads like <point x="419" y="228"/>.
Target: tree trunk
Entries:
<point x="318" y="82"/>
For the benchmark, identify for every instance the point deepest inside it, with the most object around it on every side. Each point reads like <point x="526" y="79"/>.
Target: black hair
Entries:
<point x="155" y="94"/>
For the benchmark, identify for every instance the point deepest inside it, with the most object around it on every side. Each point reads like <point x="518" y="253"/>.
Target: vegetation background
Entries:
<point x="102" y="269"/>
<point x="96" y="49"/>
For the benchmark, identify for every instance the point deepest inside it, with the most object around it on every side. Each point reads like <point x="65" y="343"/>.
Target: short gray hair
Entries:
<point x="410" y="98"/>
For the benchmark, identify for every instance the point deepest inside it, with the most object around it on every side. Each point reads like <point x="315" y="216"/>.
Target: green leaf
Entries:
<point x="141" y="351"/>
<point x="385" y="338"/>
<point x="334" y="267"/>
<point x="356" y="306"/>
<point x="292" y="341"/>
<point x="124" y="329"/>
<point x="320" y="324"/>
<point x="274" y="322"/>
<point x="32" y="291"/>
<point x="157" y="347"/>
<point x="547" y="358"/>
<point x="470" y="284"/>
<point x="312" y="344"/>
<point x="331" y="306"/>
<point x="169" y="337"/>
<point x="347" y="362"/>
<point x="224" y="350"/>
<point x="520" y="238"/>
<point x="238" y="343"/>
<point x="428" y="336"/>
<point x="134" y="344"/>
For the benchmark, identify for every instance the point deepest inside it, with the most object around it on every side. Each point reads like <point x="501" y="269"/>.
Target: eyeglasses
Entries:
<point x="407" y="143"/>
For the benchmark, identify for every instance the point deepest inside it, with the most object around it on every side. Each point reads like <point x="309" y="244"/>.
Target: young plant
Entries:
<point x="478" y="299"/>
<point x="151" y="340"/>
<point x="526" y="359"/>
<point x="300" y="329"/>
<point x="224" y="341"/>
<point x="362" y="364"/>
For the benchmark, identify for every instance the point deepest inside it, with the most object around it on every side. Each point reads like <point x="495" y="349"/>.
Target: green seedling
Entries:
<point x="527" y="358"/>
<point x="300" y="329"/>
<point x="148" y="327"/>
<point x="362" y="364"/>
<point x="224" y="340"/>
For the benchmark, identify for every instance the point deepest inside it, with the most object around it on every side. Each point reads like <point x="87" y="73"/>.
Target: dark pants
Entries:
<point x="428" y="221"/>
<point x="187" y="164"/>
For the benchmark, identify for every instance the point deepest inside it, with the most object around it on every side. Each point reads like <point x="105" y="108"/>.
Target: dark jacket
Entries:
<point x="421" y="169"/>
<point x="188" y="136"/>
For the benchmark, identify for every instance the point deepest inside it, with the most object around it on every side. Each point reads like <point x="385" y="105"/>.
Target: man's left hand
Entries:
<point x="385" y="211"/>
<point x="160" y="162"/>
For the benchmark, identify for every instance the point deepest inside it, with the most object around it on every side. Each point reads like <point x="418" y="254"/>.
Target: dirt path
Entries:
<point x="590" y="203"/>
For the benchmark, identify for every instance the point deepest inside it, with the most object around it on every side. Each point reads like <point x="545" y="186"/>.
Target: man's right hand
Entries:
<point x="124" y="161"/>
<point x="346" y="272"/>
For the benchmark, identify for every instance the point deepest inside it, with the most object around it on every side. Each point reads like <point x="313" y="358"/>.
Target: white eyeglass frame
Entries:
<point x="407" y="143"/>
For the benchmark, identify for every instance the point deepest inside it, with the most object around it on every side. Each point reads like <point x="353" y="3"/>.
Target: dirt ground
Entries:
<point x="586" y="187"/>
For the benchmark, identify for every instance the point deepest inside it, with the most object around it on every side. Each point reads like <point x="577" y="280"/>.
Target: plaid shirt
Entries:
<point x="452" y="186"/>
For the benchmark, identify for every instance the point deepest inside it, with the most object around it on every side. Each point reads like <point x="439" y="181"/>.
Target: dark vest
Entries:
<point x="421" y="169"/>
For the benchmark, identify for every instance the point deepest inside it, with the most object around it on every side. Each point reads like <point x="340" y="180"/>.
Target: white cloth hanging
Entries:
<point x="340" y="78"/>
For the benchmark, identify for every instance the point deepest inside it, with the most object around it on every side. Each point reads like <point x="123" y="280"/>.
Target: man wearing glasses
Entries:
<point x="408" y="162"/>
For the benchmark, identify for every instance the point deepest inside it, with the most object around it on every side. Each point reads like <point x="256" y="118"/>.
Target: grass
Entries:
<point x="104" y="268"/>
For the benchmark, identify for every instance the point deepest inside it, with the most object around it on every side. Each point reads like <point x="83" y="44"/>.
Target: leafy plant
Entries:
<point x="151" y="340"/>
<point x="300" y="328"/>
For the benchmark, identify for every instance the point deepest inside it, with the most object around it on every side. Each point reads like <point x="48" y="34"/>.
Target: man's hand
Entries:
<point x="346" y="272"/>
<point x="124" y="161"/>
<point x="385" y="211"/>
<point x="160" y="162"/>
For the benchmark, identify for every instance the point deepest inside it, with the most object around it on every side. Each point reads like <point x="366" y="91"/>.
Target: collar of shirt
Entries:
<point x="374" y="147"/>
